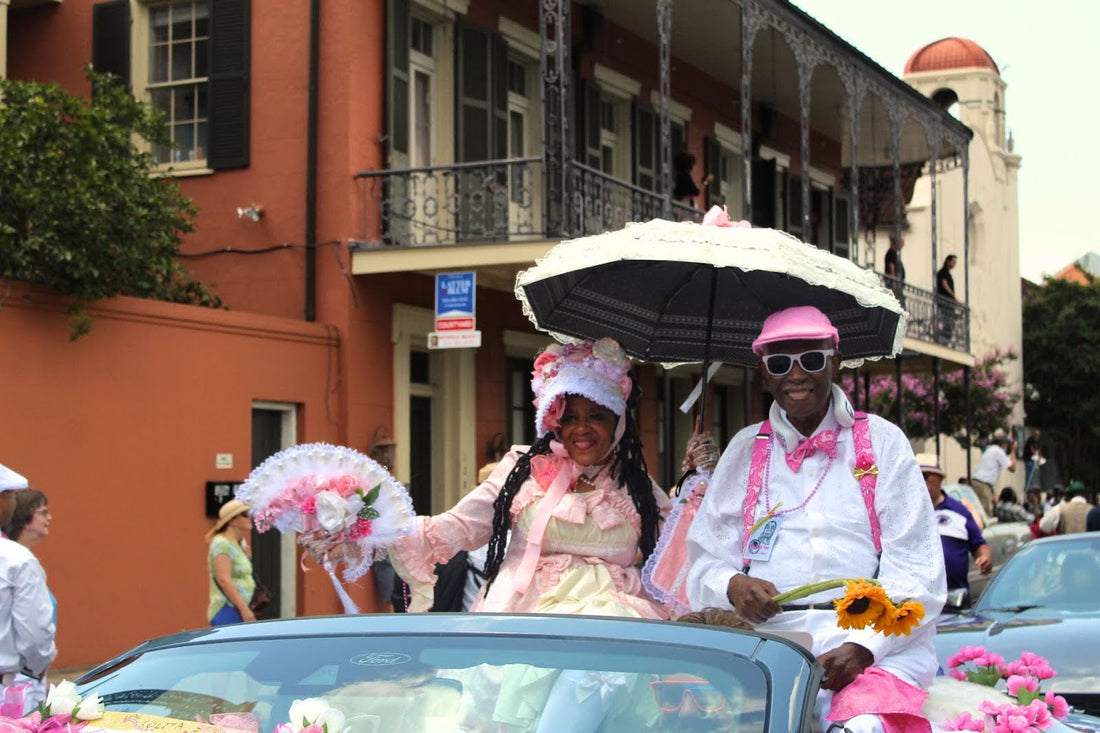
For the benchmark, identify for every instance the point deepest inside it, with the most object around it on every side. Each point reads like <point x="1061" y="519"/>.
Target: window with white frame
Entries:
<point x="179" y="37"/>
<point x="422" y="72"/>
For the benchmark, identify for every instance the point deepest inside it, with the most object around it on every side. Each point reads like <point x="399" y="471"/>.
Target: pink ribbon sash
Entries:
<point x="566" y="472"/>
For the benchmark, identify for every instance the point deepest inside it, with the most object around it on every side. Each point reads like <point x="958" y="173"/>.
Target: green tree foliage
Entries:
<point x="991" y="400"/>
<point x="81" y="207"/>
<point x="1061" y="356"/>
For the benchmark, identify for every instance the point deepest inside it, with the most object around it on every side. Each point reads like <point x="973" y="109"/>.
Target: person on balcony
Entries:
<point x="844" y="494"/>
<point x="895" y="269"/>
<point x="945" y="292"/>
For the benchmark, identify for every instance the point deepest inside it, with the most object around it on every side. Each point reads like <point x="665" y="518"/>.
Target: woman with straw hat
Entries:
<point x="230" y="562"/>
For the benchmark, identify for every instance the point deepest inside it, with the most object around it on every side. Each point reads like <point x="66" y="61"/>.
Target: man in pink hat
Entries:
<point x="820" y="492"/>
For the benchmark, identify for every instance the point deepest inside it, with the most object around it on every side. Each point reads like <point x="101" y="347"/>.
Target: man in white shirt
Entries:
<point x="1001" y="454"/>
<point x="824" y="529"/>
<point x="26" y="625"/>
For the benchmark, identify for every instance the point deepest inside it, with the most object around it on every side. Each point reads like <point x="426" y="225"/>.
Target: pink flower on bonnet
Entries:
<point x="598" y="370"/>
<point x="795" y="324"/>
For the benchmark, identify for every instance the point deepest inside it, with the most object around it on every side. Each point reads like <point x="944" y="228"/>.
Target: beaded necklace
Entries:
<point x="774" y="511"/>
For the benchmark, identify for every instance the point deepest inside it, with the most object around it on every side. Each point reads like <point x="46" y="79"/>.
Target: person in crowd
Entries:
<point x="895" y="269"/>
<point x="1057" y="493"/>
<point x="27" y="630"/>
<point x="1071" y="516"/>
<point x="807" y="468"/>
<point x="30" y="524"/>
<point x="230" y="565"/>
<point x="1033" y="455"/>
<point x="1000" y="454"/>
<point x="1092" y="520"/>
<point x="1009" y="509"/>
<point x="960" y="535"/>
<point x="947" y="300"/>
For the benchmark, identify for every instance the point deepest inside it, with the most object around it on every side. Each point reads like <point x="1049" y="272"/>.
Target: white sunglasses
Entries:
<point x="811" y="362"/>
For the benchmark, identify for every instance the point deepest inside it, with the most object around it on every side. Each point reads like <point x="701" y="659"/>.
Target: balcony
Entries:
<point x="503" y="202"/>
<point x="498" y="201"/>
<point x="932" y="319"/>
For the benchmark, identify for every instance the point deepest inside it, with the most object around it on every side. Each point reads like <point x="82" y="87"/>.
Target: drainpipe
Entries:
<point x="311" y="161"/>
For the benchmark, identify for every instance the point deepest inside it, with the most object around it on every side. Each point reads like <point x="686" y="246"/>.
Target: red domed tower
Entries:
<point x="957" y="71"/>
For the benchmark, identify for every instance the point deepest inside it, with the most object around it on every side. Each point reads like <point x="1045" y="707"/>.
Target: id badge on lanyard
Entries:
<point x="763" y="538"/>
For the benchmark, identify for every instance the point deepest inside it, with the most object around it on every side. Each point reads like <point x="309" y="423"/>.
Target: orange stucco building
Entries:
<point x="340" y="155"/>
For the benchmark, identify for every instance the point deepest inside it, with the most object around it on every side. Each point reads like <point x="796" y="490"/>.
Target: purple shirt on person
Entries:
<point x="960" y="536"/>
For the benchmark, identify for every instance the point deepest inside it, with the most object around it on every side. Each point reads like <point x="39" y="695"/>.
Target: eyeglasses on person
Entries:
<point x="811" y="362"/>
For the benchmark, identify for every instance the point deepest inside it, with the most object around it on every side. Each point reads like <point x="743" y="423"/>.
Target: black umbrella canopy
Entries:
<point x="696" y="303"/>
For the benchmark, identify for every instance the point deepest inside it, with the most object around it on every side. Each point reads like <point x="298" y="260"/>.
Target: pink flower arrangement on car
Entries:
<point x="63" y="710"/>
<point x="1033" y="710"/>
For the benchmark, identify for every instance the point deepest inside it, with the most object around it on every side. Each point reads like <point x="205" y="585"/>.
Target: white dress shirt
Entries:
<point x="830" y="537"/>
<point x="26" y="625"/>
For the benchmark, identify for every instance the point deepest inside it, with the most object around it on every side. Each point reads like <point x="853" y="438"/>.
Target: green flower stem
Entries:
<point x="804" y="591"/>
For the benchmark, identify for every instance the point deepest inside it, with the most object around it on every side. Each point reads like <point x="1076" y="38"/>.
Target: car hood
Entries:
<point x="1068" y="640"/>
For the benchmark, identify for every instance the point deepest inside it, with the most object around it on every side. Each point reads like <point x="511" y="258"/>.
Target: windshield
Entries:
<point x="1058" y="576"/>
<point x="439" y="683"/>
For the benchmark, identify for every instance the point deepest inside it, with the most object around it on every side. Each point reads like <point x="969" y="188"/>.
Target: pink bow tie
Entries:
<point x="824" y="441"/>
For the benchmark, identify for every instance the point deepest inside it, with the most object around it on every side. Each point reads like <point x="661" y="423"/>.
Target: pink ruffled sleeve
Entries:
<point x="467" y="526"/>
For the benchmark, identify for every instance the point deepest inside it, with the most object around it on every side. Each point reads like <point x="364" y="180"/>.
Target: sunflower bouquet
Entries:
<point x="864" y="604"/>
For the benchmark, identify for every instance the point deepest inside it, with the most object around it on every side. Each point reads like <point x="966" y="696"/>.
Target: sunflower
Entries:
<point x="864" y="602"/>
<point x="900" y="620"/>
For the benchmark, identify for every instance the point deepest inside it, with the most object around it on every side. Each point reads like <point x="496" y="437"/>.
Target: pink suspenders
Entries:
<point x="865" y="471"/>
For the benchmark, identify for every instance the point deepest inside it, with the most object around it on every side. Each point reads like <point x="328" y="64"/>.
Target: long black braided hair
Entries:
<point x="628" y="464"/>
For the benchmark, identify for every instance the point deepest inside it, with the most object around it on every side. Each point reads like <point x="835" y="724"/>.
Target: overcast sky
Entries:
<point x="1052" y="105"/>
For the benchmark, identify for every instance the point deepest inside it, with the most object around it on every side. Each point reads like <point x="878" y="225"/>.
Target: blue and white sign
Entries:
<point x="454" y="294"/>
<point x="455" y="322"/>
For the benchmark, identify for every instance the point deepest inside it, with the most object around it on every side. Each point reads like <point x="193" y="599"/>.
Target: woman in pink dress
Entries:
<point x="578" y="506"/>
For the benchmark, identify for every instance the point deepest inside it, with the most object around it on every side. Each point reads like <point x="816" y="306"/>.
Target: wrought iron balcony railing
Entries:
<point x="497" y="201"/>
<point x="505" y="201"/>
<point x="932" y="318"/>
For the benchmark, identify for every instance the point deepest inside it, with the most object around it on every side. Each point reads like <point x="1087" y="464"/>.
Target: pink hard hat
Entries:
<point x="795" y="324"/>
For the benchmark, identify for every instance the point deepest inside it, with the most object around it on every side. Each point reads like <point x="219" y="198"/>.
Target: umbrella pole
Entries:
<point x="706" y="346"/>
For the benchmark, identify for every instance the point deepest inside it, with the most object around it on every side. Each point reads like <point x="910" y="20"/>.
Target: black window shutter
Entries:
<point x="764" y="174"/>
<point x="473" y="94"/>
<point x="230" y="31"/>
<point x="500" y="98"/>
<point x="397" y="75"/>
<point x="645" y="148"/>
<point x="111" y="39"/>
<point x="712" y="172"/>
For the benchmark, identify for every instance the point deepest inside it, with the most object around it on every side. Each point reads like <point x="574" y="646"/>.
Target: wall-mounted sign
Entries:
<point x="217" y="494"/>
<point x="455" y="312"/>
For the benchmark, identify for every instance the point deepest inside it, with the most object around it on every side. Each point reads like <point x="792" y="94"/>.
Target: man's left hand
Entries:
<point x="844" y="664"/>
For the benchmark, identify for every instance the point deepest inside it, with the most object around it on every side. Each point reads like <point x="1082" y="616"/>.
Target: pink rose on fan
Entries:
<point x="552" y="420"/>
<point x="345" y="485"/>
<point x="309" y="506"/>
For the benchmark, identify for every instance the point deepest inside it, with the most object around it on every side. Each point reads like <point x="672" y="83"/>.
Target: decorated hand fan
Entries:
<point x="345" y="507"/>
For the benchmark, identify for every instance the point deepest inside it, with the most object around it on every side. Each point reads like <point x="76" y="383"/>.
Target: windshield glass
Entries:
<point x="439" y="684"/>
<point x="1060" y="575"/>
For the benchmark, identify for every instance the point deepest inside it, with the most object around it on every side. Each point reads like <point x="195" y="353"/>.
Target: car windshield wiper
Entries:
<point x="1015" y="609"/>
